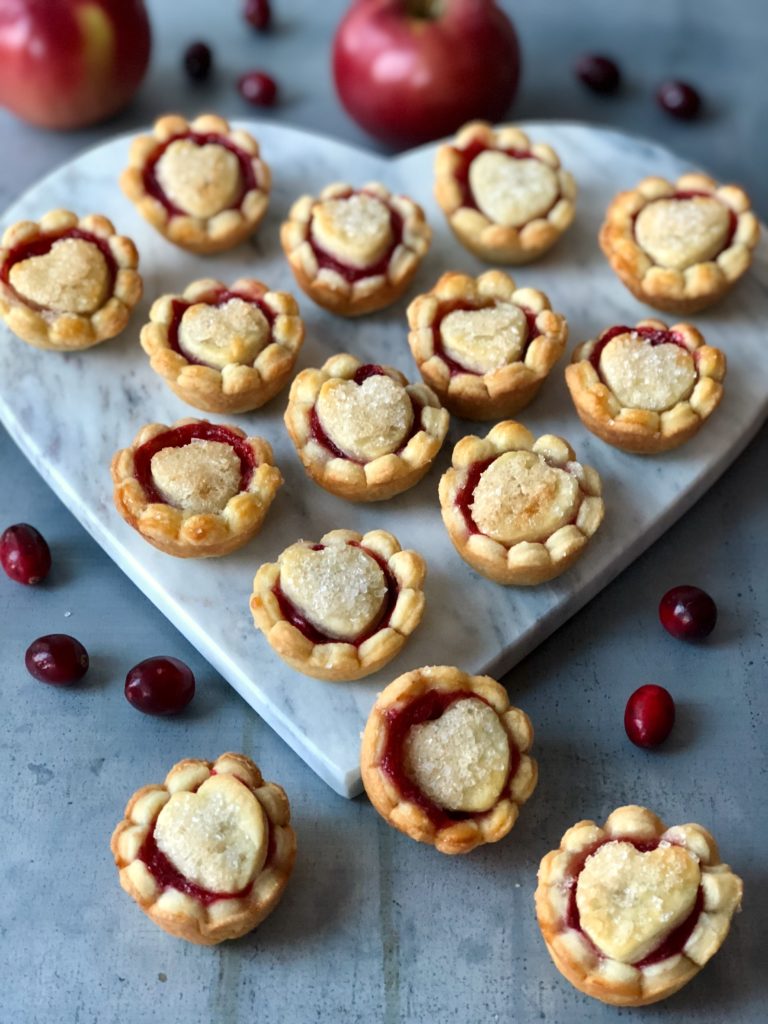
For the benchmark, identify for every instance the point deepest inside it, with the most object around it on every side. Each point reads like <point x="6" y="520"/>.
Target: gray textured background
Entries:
<point x="374" y="927"/>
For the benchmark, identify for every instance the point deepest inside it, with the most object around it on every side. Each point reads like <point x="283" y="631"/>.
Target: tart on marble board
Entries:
<point x="200" y="183"/>
<point x="207" y="854"/>
<point x="355" y="250"/>
<point x="223" y="348"/>
<point x="506" y="198"/>
<point x="632" y="911"/>
<point x="361" y="430"/>
<point x="67" y="282"/>
<point x="484" y="345"/>
<point x="680" y="246"/>
<point x="444" y="758"/>
<point x="519" y="510"/>
<point x="646" y="389"/>
<point x="195" y="489"/>
<point x="340" y="609"/>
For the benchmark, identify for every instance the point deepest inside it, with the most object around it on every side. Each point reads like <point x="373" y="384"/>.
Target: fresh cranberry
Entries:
<point x="24" y="554"/>
<point x="649" y="716"/>
<point x="687" y="613"/>
<point x="57" y="658"/>
<point x="197" y="61"/>
<point x="258" y="88"/>
<point x="600" y="74"/>
<point x="258" y="14"/>
<point x="160" y="686"/>
<point x="679" y="99"/>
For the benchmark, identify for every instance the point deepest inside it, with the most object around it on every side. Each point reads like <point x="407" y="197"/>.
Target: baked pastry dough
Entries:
<point x="67" y="282"/>
<point x="343" y="608"/>
<point x="630" y="912"/>
<point x="224" y="349"/>
<point x="195" y="489"/>
<point x="679" y="247"/>
<point x="355" y="250"/>
<point x="445" y="760"/>
<point x="518" y="510"/>
<point x="648" y="388"/>
<point x="506" y="198"/>
<point x="200" y="183"/>
<point x="207" y="854"/>
<point x="484" y="345"/>
<point x="361" y="430"/>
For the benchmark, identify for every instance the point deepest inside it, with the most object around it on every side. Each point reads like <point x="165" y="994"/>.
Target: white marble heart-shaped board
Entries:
<point x="69" y="413"/>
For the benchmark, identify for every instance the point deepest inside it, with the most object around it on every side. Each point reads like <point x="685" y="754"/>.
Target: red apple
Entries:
<point x="70" y="63"/>
<point x="413" y="70"/>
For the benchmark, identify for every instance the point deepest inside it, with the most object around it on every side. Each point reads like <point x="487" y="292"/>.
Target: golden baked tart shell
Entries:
<point x="179" y="912"/>
<point x="423" y="820"/>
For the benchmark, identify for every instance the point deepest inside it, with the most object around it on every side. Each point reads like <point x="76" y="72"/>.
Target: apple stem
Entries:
<point x="428" y="10"/>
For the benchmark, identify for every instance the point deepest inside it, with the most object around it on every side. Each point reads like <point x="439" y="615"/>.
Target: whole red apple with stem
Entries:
<point x="71" y="63"/>
<point x="413" y="70"/>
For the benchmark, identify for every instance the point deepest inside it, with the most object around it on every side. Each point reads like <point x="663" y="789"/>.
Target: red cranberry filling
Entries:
<point x="290" y="612"/>
<point x="177" y="437"/>
<point x="468" y="154"/>
<point x="426" y="708"/>
<point x="43" y="244"/>
<point x="453" y="365"/>
<point x="352" y="274"/>
<point x="676" y="939"/>
<point x="318" y="433"/>
<point x="653" y="335"/>
<point x="692" y="194"/>
<point x="153" y="187"/>
<point x="216" y="298"/>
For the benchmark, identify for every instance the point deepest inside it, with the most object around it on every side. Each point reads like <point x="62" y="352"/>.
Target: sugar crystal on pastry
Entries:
<point x="680" y="232"/>
<point x="201" y="180"/>
<point x="356" y="228"/>
<point x="645" y="376"/>
<point x="220" y="335"/>
<point x="485" y="339"/>
<point x="199" y="477"/>
<point x="512" y="191"/>
<point x="71" y="277"/>
<point x="365" y="420"/>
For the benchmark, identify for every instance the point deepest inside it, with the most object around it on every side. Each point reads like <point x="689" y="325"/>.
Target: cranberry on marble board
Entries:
<point x="600" y="74"/>
<point x="24" y="554"/>
<point x="649" y="715"/>
<point x="57" y="658"/>
<point x="160" y="686"/>
<point x="688" y="613"/>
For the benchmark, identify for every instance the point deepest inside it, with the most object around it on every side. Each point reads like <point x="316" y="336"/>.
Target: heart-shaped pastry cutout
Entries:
<point x="629" y="900"/>
<point x="199" y="180"/>
<point x="222" y="335"/>
<point x="216" y="837"/>
<point x="512" y="191"/>
<point x="197" y="477"/>
<point x="645" y="376"/>
<point x="678" y="233"/>
<point x="482" y="340"/>
<point x="520" y="497"/>
<point x="340" y="589"/>
<point x="365" y="420"/>
<point x="356" y="230"/>
<point x="72" y="277"/>
<point x="461" y="759"/>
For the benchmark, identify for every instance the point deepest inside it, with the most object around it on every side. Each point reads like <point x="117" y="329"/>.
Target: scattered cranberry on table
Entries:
<point x="649" y="715"/>
<point x="24" y="554"/>
<point x="258" y="88"/>
<point x="600" y="74"/>
<point x="197" y="61"/>
<point x="58" y="659"/>
<point x="160" y="686"/>
<point x="679" y="99"/>
<point x="687" y="613"/>
<point x="258" y="14"/>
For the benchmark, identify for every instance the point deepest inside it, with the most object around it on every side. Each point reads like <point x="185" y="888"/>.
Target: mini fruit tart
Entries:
<point x="355" y="250"/>
<point x="224" y="349"/>
<point x="195" y="489"/>
<point x="630" y="912"/>
<point x="208" y="854"/>
<point x="67" y="282"/>
<point x="519" y="511"/>
<point x="506" y="198"/>
<point x="444" y="758"/>
<point x="202" y="185"/>
<point x="340" y="609"/>
<point x="484" y="345"/>
<point x="648" y="388"/>
<point x="679" y="247"/>
<point x="361" y="430"/>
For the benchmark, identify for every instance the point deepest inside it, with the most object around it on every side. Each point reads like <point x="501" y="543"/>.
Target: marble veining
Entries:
<point x="69" y="413"/>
